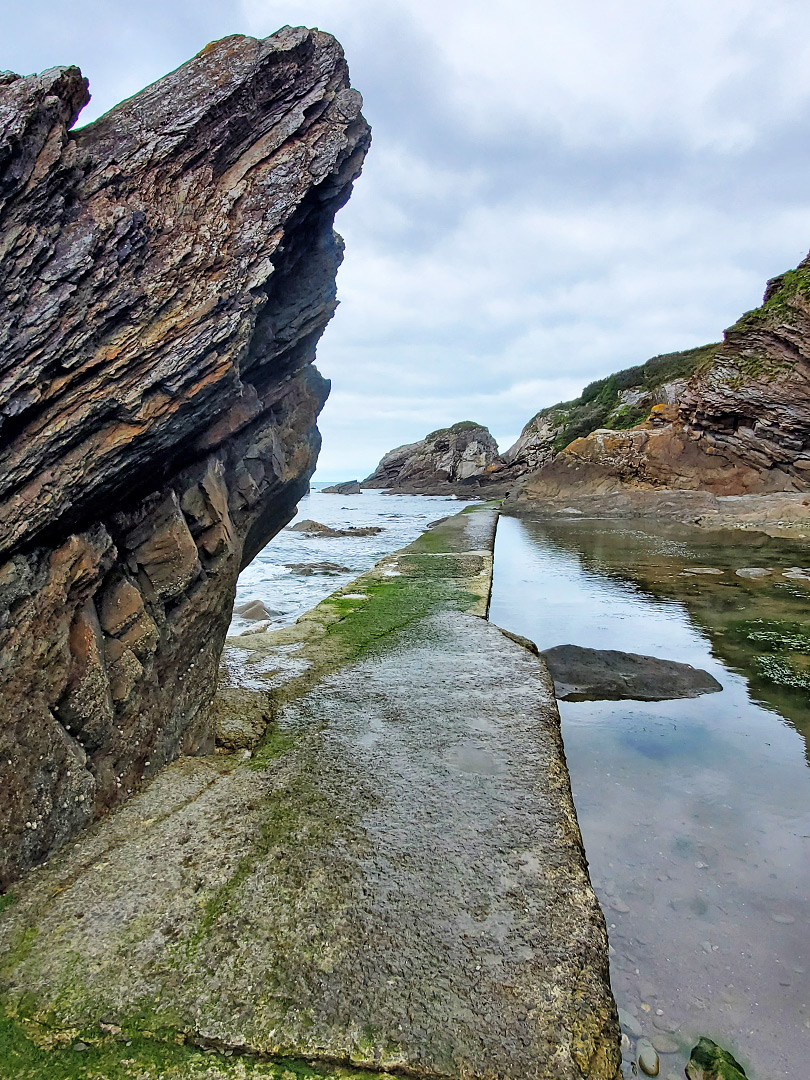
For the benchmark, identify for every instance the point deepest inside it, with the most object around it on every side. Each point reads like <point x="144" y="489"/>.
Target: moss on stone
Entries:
<point x="31" y="1052"/>
<point x="711" y="1062"/>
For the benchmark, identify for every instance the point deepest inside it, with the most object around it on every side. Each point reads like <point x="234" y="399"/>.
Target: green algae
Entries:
<point x="711" y="1062"/>
<point x="32" y="1052"/>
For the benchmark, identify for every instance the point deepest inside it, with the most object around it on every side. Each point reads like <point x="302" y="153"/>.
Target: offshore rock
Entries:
<point x="460" y="459"/>
<point x="165" y="274"/>
<point x="348" y="487"/>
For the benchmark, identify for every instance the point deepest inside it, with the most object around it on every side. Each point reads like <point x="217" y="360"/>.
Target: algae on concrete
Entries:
<point x="394" y="881"/>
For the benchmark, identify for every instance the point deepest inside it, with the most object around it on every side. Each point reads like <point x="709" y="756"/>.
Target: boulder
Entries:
<point x="165" y="275"/>
<point x="461" y="458"/>
<point x="581" y="674"/>
<point x="315" y="528"/>
<point x="710" y="1062"/>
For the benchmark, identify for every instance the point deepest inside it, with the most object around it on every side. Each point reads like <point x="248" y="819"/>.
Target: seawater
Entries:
<point x="695" y="814"/>
<point x="402" y="519"/>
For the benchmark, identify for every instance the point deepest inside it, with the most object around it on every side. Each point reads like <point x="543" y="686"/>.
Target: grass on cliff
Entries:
<point x="598" y="404"/>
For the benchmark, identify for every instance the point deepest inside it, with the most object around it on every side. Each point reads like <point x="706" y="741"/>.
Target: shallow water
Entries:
<point x="402" y="518"/>
<point x="695" y="813"/>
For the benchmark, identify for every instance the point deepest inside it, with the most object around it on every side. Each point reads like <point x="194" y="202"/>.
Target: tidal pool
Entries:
<point x="695" y="813"/>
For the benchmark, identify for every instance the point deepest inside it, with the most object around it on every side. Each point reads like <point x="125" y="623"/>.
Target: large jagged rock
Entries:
<point x="165" y="274"/>
<point x="463" y="458"/>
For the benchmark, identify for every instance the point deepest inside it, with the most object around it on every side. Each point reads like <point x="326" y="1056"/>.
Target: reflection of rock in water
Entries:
<point x="608" y="675"/>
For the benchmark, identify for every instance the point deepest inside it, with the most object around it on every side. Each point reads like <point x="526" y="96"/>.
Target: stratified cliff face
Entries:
<point x="740" y="424"/>
<point x="165" y="275"/>
<point x="464" y="456"/>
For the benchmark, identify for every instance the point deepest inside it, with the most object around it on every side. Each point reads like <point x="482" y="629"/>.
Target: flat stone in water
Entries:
<point x="664" y="1044"/>
<point x="779" y="917"/>
<point x="752" y="572"/>
<point x="647" y="1057"/>
<point x="582" y="674"/>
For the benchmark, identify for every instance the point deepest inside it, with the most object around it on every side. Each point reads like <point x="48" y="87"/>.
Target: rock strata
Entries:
<point x="165" y="274"/>
<point x="739" y="425"/>
<point x="462" y="459"/>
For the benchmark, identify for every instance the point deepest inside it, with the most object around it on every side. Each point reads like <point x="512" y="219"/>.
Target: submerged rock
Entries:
<point x="582" y="674"/>
<point x="647" y="1057"/>
<point x="165" y="274"/>
<point x="710" y="1062"/>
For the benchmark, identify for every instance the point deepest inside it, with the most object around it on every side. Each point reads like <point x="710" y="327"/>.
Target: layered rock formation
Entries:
<point x="462" y="457"/>
<point x="741" y="424"/>
<point x="165" y="274"/>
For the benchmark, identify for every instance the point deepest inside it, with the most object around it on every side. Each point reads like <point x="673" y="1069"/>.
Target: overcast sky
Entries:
<point x="554" y="191"/>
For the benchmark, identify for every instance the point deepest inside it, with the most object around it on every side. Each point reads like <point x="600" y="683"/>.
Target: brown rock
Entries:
<point x="165" y="275"/>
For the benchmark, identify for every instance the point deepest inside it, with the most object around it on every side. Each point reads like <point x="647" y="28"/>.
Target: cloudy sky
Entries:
<point x="554" y="190"/>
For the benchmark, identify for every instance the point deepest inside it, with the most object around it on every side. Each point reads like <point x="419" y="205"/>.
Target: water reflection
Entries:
<point x="695" y="812"/>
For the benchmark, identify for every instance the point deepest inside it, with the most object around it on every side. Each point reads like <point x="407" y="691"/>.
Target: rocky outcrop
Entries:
<point x="165" y="274"/>
<point x="741" y="424"/>
<point x="348" y="487"/>
<point x="462" y="458"/>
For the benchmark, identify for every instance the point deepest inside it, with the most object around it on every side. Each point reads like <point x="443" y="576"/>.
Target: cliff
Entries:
<point x="461" y="458"/>
<point x="739" y="425"/>
<point x="165" y="274"/>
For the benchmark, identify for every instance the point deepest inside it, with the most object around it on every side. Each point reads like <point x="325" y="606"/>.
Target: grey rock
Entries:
<point x="349" y="487"/>
<point x="462" y="458"/>
<point x="647" y="1057"/>
<point x="255" y="610"/>
<point x="752" y="572"/>
<point x="582" y="674"/>
<point x="664" y="1044"/>
<point x="630" y="1023"/>
<point x="308" y="569"/>
<point x="315" y="528"/>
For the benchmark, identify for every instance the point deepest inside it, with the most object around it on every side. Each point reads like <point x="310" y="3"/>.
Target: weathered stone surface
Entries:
<point x="582" y="674"/>
<point x="462" y="458"/>
<point x="165" y="274"/>
<point x="395" y="879"/>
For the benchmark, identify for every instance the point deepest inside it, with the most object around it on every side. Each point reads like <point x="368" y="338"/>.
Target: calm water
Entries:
<point x="695" y="814"/>
<point x="268" y="578"/>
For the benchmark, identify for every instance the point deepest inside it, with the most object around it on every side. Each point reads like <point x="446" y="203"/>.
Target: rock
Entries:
<point x="166" y="273"/>
<point x="462" y="458"/>
<point x="647" y="1057"/>
<point x="710" y="1062"/>
<point x="582" y="674"/>
<point x="752" y="572"/>
<point x="630" y="1024"/>
<point x="255" y="610"/>
<point x="308" y="569"/>
<point x="665" y="1044"/>
<point x="315" y="528"/>
<point x="349" y="487"/>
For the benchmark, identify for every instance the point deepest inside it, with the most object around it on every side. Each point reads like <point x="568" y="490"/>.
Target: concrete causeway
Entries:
<point x="389" y="878"/>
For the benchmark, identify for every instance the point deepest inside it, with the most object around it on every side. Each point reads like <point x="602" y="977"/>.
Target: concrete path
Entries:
<point x="392" y="880"/>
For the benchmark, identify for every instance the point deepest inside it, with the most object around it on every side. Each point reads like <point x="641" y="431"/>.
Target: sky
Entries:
<point x="553" y="192"/>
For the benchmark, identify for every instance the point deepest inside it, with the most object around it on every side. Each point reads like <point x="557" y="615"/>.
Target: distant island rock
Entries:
<point x="461" y="459"/>
<point x="315" y="528"/>
<point x="348" y="487"/>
